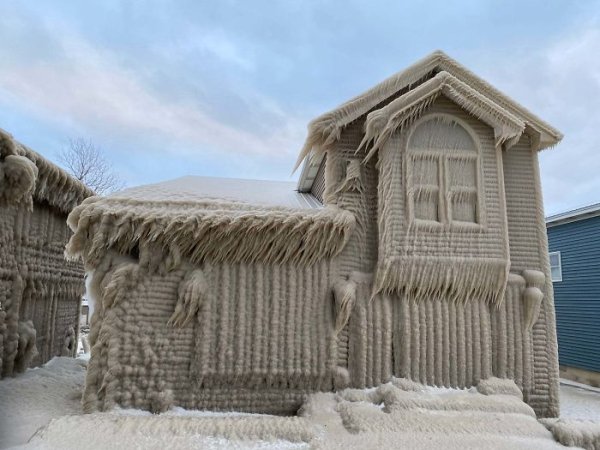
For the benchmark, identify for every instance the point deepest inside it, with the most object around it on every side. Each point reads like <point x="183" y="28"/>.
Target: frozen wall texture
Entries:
<point x="439" y="340"/>
<point x="427" y="262"/>
<point x="529" y="251"/>
<point x="262" y="338"/>
<point x="40" y="292"/>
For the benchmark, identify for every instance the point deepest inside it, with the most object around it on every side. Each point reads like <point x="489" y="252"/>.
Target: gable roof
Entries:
<point x="324" y="130"/>
<point x="381" y="123"/>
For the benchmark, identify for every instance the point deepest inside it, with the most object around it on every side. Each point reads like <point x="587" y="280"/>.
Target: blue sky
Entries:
<point x="226" y="88"/>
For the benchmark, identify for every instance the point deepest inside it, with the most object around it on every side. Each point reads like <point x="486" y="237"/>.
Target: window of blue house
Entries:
<point x="555" y="266"/>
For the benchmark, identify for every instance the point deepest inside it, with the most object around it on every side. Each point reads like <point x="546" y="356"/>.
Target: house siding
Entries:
<point x="527" y="240"/>
<point x="37" y="284"/>
<point x="533" y="366"/>
<point x="577" y="296"/>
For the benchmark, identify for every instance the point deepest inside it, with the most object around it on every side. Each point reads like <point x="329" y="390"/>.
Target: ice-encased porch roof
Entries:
<point x="211" y="220"/>
<point x="260" y="192"/>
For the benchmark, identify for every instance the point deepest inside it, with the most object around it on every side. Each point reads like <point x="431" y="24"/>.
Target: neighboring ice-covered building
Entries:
<point x="415" y="247"/>
<point x="40" y="291"/>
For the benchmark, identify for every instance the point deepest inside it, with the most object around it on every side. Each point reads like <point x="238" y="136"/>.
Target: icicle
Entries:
<point x="119" y="283"/>
<point x="173" y="258"/>
<point x="532" y="296"/>
<point x="192" y="292"/>
<point x="345" y="298"/>
<point x="353" y="181"/>
<point x="207" y="231"/>
<point x="399" y="114"/>
<point x="455" y="279"/>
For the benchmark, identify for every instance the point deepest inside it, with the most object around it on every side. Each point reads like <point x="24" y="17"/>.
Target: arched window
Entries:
<point x="442" y="161"/>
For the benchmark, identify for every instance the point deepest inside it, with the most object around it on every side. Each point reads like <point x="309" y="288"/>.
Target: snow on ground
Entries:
<point x="29" y="402"/>
<point x="578" y="403"/>
<point x="113" y="430"/>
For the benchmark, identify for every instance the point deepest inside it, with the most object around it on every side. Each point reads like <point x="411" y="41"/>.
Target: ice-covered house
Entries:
<point x="427" y="259"/>
<point x="40" y="291"/>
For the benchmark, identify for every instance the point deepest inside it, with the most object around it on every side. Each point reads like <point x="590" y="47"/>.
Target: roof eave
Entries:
<point x="586" y="212"/>
<point x="325" y="125"/>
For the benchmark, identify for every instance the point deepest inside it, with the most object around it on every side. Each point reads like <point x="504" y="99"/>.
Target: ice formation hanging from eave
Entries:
<point x="399" y="113"/>
<point x="26" y="176"/>
<point x="215" y="231"/>
<point x="325" y="130"/>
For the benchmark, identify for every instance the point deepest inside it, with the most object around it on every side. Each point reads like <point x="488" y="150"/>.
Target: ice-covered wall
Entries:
<point x="40" y="292"/>
<point x="438" y="340"/>
<point x="235" y="306"/>
<point x="37" y="285"/>
<point x="259" y="338"/>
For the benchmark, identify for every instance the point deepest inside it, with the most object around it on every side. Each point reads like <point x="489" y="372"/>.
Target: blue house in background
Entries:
<point x="574" y="245"/>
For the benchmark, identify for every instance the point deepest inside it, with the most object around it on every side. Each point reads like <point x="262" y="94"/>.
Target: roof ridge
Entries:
<point x="325" y="129"/>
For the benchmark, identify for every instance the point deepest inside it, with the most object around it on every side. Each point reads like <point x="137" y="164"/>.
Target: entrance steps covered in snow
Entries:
<point x="399" y="414"/>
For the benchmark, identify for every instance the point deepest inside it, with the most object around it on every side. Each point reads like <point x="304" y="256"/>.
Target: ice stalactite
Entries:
<point x="207" y="231"/>
<point x="353" y="181"/>
<point x="345" y="297"/>
<point x="192" y="291"/>
<point x="532" y="296"/>
<point x="26" y="349"/>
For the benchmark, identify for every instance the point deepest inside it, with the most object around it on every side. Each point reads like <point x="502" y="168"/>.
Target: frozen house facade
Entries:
<point x="415" y="247"/>
<point x="40" y="291"/>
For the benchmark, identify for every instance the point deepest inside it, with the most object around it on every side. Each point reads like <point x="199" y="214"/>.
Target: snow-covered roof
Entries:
<point x="211" y="219"/>
<point x="262" y="192"/>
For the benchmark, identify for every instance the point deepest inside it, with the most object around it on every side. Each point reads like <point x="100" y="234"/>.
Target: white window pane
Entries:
<point x="556" y="274"/>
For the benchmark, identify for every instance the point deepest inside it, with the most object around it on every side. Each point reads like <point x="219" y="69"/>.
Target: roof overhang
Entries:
<point x="381" y="124"/>
<point x="325" y="130"/>
<point x="586" y="212"/>
<point x="50" y="183"/>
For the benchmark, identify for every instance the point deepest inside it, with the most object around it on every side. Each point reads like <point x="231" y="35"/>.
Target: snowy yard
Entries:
<point x="30" y="401"/>
<point x="578" y="403"/>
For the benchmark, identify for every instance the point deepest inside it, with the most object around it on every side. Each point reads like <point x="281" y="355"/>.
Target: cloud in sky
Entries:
<point x="87" y="84"/>
<point x="561" y="83"/>
<point x="226" y="88"/>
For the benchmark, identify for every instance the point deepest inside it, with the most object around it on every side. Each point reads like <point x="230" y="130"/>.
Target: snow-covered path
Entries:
<point x="31" y="400"/>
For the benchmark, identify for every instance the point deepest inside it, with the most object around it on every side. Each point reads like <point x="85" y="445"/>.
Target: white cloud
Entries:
<point x="218" y="45"/>
<point x="560" y="83"/>
<point x="88" y="87"/>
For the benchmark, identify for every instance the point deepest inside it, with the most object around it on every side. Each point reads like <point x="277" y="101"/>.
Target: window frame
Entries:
<point x="445" y="192"/>
<point x="560" y="278"/>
